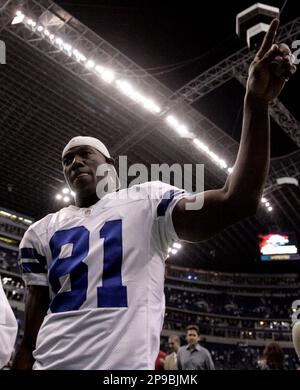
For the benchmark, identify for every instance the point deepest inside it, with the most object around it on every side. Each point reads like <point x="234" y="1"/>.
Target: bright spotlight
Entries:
<point x="176" y="245"/>
<point x="90" y="64"/>
<point x="108" y="76"/>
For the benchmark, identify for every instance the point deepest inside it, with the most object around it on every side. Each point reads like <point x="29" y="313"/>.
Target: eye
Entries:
<point x="67" y="160"/>
<point x="85" y="153"/>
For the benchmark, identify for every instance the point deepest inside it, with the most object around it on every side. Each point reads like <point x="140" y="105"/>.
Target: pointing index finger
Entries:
<point x="268" y="39"/>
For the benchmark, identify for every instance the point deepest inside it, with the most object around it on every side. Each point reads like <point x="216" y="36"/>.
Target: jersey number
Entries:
<point x="112" y="293"/>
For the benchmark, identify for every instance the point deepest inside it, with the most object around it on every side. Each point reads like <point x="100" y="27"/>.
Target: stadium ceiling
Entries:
<point x="47" y="97"/>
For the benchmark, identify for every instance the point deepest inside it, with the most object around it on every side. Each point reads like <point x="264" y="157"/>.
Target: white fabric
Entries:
<point x="106" y="338"/>
<point x="8" y="329"/>
<point x="296" y="337"/>
<point x="86" y="141"/>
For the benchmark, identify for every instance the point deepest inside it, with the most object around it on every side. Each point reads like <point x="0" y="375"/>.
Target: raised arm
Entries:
<point x="241" y="194"/>
<point x="37" y="303"/>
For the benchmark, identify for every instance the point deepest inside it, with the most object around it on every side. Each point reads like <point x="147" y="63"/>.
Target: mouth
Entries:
<point x="80" y="175"/>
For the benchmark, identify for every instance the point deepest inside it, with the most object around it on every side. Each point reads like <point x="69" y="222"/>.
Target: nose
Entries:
<point x="77" y="162"/>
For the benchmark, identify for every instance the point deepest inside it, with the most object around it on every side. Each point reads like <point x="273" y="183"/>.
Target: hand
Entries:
<point x="271" y="68"/>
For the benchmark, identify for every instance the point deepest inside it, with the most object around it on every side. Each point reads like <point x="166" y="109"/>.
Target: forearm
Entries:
<point x="37" y="303"/>
<point x="245" y="184"/>
<point x="23" y="359"/>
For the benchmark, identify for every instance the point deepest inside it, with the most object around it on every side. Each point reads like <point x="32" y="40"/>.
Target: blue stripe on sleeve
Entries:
<point x="166" y="200"/>
<point x="34" y="267"/>
<point x="31" y="253"/>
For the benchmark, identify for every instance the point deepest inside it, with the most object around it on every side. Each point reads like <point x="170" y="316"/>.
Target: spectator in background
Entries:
<point x="8" y="329"/>
<point x="171" y="359"/>
<point x="193" y="356"/>
<point x="272" y="358"/>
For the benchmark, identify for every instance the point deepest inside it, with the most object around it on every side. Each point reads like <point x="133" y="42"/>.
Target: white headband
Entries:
<point x="86" y="141"/>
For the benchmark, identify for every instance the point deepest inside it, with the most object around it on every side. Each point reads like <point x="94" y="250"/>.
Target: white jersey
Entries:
<point x="8" y="329"/>
<point x="104" y="266"/>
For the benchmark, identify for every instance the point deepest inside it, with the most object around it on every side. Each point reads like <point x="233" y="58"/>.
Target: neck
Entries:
<point x="86" y="201"/>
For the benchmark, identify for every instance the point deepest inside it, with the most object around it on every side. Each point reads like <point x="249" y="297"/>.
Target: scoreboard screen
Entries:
<point x="278" y="247"/>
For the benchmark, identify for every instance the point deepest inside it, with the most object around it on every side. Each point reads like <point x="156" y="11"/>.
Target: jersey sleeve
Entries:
<point x="8" y="329"/>
<point x="32" y="260"/>
<point x="164" y="198"/>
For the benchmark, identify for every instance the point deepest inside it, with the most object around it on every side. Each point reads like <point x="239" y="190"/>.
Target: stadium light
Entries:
<point x="31" y="22"/>
<point x="108" y="76"/>
<point x="99" y="69"/>
<point x="65" y="194"/>
<point x="90" y="64"/>
<point x="79" y="57"/>
<point x="213" y="156"/>
<point x="59" y="41"/>
<point x="176" y="245"/>
<point x="266" y="203"/>
<point x="183" y="131"/>
<point x="67" y="47"/>
<point x="130" y="91"/>
<point x="179" y="127"/>
<point x="19" y="18"/>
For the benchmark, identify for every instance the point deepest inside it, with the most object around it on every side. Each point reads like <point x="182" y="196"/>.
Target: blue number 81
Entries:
<point x="112" y="293"/>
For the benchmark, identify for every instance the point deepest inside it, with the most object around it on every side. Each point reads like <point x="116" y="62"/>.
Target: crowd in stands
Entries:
<point x="230" y="305"/>
<point x="215" y="278"/>
<point x="15" y="230"/>
<point x="8" y="261"/>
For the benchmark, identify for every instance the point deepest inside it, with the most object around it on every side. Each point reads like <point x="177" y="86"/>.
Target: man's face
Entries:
<point x="173" y="345"/>
<point x="80" y="166"/>
<point x="192" y="337"/>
